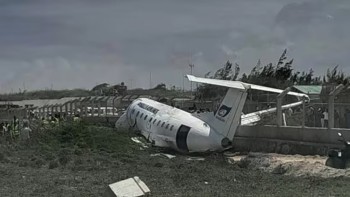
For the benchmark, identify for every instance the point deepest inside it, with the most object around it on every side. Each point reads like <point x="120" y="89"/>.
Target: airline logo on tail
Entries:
<point x="223" y="112"/>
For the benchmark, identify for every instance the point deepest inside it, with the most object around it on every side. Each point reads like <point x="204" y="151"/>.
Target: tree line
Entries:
<point x="277" y="75"/>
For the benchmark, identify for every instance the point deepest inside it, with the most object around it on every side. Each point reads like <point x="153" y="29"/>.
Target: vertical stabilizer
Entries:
<point x="227" y="117"/>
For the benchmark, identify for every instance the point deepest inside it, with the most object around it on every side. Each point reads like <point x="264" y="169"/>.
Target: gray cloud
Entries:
<point x="78" y="43"/>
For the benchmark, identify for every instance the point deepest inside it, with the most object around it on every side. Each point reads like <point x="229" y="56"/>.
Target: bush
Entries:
<point x="76" y="138"/>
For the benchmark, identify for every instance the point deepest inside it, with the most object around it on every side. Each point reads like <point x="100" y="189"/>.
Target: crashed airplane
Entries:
<point x="167" y="126"/>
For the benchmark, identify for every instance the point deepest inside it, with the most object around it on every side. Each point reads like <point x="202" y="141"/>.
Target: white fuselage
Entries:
<point x="167" y="126"/>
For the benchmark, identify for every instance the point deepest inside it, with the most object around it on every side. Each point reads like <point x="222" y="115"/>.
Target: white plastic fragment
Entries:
<point x="163" y="154"/>
<point x="132" y="187"/>
<point x="195" y="159"/>
<point x="136" y="140"/>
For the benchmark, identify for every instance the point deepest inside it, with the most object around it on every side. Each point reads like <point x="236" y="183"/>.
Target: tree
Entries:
<point x="335" y="77"/>
<point x="100" y="87"/>
<point x="160" y="86"/>
<point x="331" y="80"/>
<point x="281" y="75"/>
<point x="224" y="73"/>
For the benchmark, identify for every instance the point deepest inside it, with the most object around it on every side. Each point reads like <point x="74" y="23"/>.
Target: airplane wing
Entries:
<point x="240" y="85"/>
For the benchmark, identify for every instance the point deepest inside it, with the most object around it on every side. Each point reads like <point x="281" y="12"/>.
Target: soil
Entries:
<point x="291" y="165"/>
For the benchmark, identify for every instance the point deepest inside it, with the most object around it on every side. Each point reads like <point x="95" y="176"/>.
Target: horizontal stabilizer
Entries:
<point x="240" y="85"/>
<point x="256" y="116"/>
<point x="225" y="83"/>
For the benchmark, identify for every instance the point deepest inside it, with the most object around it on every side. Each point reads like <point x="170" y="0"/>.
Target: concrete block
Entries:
<point x="131" y="187"/>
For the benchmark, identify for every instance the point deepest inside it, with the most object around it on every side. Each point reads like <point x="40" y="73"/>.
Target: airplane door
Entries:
<point x="148" y="125"/>
<point x="181" y="137"/>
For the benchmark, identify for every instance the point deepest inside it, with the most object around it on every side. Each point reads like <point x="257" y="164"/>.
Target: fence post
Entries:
<point x="332" y="95"/>
<point x="93" y="99"/>
<point x="86" y="108"/>
<point x="99" y="108"/>
<point x="66" y="108"/>
<point x="75" y="106"/>
<point x="303" y="121"/>
<point x="106" y="109"/>
<point x="279" y="106"/>
<point x="39" y="112"/>
<point x="114" y="104"/>
<point x="71" y="108"/>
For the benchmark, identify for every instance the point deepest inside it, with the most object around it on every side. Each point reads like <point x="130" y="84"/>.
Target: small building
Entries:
<point x="313" y="91"/>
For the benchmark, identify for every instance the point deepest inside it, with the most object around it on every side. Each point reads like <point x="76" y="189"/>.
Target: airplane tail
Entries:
<point x="227" y="118"/>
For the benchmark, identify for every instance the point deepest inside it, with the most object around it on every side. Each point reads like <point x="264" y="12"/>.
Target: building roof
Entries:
<point x="309" y="89"/>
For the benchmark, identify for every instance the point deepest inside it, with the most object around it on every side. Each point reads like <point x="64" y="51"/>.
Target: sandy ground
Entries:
<point x="293" y="165"/>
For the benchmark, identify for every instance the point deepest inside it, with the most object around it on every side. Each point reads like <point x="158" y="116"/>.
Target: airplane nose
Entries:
<point x="121" y="122"/>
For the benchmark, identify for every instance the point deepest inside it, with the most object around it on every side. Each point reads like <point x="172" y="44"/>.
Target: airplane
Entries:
<point x="170" y="127"/>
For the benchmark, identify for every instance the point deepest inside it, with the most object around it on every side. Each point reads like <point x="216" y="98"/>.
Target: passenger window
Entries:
<point x="154" y="121"/>
<point x="167" y="126"/>
<point x="137" y="114"/>
<point x="159" y="123"/>
<point x="141" y="115"/>
<point x="163" y="124"/>
<point x="150" y="120"/>
<point x="171" y="128"/>
<point x="145" y="117"/>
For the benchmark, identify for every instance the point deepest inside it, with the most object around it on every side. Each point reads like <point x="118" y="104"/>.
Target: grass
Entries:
<point x="81" y="160"/>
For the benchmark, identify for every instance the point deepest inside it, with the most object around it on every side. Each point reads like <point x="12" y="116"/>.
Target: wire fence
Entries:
<point x="315" y="114"/>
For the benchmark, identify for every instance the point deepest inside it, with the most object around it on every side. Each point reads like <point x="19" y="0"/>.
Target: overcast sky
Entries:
<point x="79" y="43"/>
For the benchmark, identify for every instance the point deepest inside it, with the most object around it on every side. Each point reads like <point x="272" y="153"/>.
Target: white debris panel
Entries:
<point x="132" y="187"/>
<point x="163" y="154"/>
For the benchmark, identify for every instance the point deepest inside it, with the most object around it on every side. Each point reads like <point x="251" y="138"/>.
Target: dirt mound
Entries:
<point x="294" y="165"/>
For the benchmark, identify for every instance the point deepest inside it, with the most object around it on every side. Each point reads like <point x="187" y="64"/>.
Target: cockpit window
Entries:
<point x="148" y="108"/>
